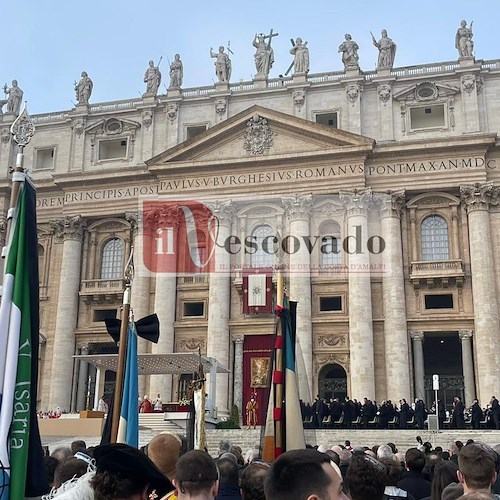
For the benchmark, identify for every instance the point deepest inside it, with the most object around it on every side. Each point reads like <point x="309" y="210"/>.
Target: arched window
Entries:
<point x="112" y="259"/>
<point x="434" y="235"/>
<point x="330" y="245"/>
<point x="263" y="256"/>
<point x="197" y="252"/>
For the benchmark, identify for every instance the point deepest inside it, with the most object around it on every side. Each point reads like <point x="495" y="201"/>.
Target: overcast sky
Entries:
<point x="46" y="44"/>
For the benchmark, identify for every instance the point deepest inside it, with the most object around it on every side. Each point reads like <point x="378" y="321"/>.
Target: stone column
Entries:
<point x="165" y="301"/>
<point x="353" y="90"/>
<point x="470" y="101"/>
<point x="357" y="204"/>
<point x="172" y="112"/>
<point x="413" y="231"/>
<point x="141" y="290"/>
<point x="385" y="114"/>
<point x="91" y="274"/>
<point x="83" y="370"/>
<point x="478" y="199"/>
<point x="70" y="232"/>
<point x="417" y="339"/>
<point x="219" y="301"/>
<point x="465" y="337"/>
<point x="455" y="244"/>
<point x="238" y="373"/>
<point x="395" y="328"/>
<point x="298" y="210"/>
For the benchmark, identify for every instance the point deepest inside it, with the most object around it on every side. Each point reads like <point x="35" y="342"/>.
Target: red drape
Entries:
<point x="255" y="346"/>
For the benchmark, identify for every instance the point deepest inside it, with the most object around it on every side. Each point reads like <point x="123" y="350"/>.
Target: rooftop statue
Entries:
<point x="152" y="79"/>
<point x="301" y="56"/>
<point x="264" y="54"/>
<point x="386" y="51"/>
<point x="349" y="49"/>
<point x="83" y="89"/>
<point x="15" y="97"/>
<point x="463" y="40"/>
<point x="176" y="72"/>
<point x="222" y="64"/>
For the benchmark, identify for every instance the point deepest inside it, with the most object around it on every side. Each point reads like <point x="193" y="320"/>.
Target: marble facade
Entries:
<point x="92" y="164"/>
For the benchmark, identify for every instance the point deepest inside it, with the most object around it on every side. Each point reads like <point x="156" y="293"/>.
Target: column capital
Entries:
<point x="465" y="334"/>
<point x="69" y="228"/>
<point x="479" y="196"/>
<point x="392" y="204"/>
<point x="417" y="336"/>
<point x="238" y="339"/>
<point x="357" y="201"/>
<point x="223" y="210"/>
<point x="297" y="207"/>
<point x="134" y="219"/>
<point x="162" y="216"/>
<point x="84" y="346"/>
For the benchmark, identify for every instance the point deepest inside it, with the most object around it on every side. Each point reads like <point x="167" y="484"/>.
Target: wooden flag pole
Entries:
<point x="280" y="289"/>
<point x="122" y="361"/>
<point x="278" y="425"/>
<point x="122" y="347"/>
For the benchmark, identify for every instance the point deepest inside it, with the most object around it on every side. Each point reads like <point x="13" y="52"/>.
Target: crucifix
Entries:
<point x="270" y="36"/>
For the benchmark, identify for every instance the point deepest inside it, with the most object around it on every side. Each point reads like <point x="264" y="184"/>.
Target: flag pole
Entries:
<point x="22" y="130"/>
<point x="279" y="364"/>
<point x="122" y="349"/>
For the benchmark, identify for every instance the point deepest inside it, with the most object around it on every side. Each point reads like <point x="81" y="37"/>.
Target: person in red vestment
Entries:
<point x="145" y="406"/>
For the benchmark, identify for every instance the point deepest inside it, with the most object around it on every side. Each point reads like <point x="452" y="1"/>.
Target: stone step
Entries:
<point x="403" y="439"/>
<point x="155" y="422"/>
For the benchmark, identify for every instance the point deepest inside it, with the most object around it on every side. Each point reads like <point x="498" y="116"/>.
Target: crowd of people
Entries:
<point x="165" y="470"/>
<point x="354" y="413"/>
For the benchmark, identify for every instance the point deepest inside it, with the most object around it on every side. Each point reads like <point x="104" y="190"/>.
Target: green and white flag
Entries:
<point x="21" y="457"/>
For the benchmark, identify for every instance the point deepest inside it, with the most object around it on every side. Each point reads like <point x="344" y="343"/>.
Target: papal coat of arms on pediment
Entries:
<point x="258" y="136"/>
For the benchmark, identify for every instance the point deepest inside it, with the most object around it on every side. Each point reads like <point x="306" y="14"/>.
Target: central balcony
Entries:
<point x="102" y="291"/>
<point x="437" y="273"/>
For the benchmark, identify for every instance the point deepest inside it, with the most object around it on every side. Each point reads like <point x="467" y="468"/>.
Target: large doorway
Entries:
<point x="109" y="375"/>
<point x="332" y="382"/>
<point x="443" y="356"/>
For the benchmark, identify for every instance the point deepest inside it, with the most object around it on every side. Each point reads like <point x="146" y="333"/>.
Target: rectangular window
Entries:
<point x="327" y="304"/>
<point x="193" y="309"/>
<point x="439" y="301"/>
<point x="193" y="130"/>
<point x="429" y="117"/>
<point x="328" y="119"/>
<point x="102" y="314"/>
<point x="113" y="149"/>
<point x="45" y="159"/>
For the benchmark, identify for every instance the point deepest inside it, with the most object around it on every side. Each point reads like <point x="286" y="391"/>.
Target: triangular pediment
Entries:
<point x="112" y="126"/>
<point x="426" y="91"/>
<point x="262" y="133"/>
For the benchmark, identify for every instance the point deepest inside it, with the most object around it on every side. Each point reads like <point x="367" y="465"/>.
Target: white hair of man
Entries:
<point x="384" y="451"/>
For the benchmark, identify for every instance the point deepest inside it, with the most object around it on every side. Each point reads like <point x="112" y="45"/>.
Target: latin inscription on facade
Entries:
<point x="255" y="178"/>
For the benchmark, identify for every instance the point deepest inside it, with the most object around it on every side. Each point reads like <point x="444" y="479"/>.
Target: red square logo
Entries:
<point x="178" y="237"/>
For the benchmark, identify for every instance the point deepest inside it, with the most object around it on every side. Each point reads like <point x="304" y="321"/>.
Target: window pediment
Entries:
<point x="112" y="126"/>
<point x="426" y="91"/>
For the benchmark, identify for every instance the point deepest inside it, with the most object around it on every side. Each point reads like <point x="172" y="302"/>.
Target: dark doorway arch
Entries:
<point x="332" y="382"/>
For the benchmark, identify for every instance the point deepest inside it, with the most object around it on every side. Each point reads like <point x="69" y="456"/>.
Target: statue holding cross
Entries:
<point x="264" y="54"/>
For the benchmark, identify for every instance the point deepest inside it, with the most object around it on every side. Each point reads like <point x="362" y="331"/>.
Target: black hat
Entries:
<point x="121" y="459"/>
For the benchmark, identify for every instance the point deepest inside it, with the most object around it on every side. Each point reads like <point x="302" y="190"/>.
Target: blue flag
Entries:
<point x="128" y="428"/>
